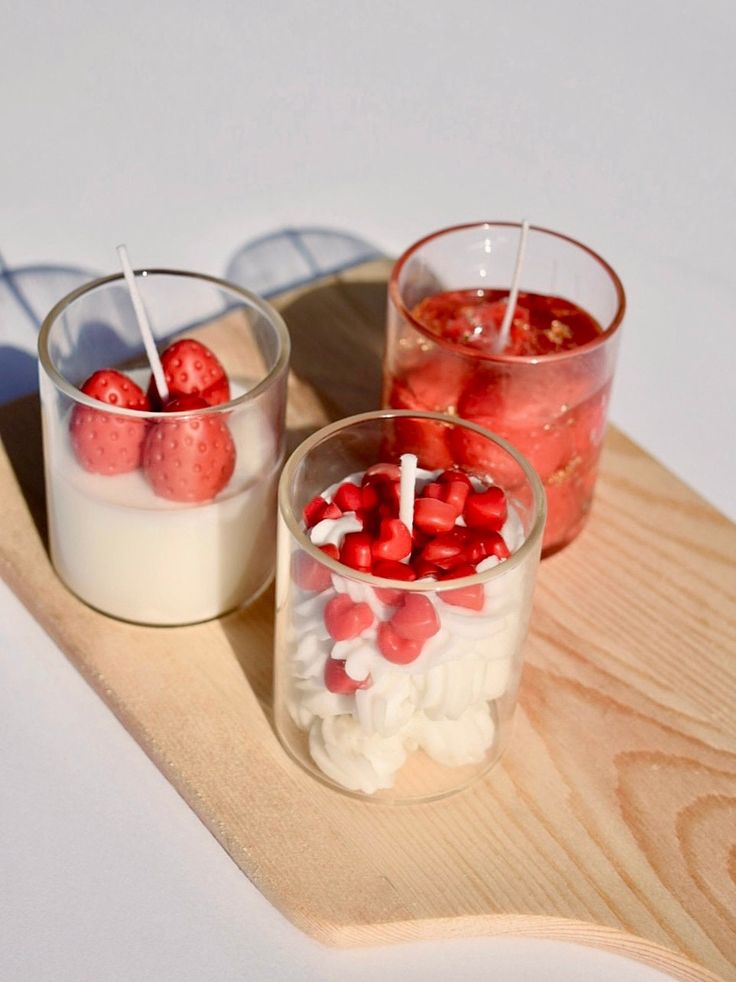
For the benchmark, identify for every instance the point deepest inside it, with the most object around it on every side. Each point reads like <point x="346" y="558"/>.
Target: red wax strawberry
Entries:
<point x="189" y="459"/>
<point x="486" y="510"/>
<point x="471" y="597"/>
<point x="435" y="384"/>
<point x="394" y="648"/>
<point x="337" y="679"/>
<point x="478" y="453"/>
<point x="393" y="542"/>
<point x="425" y="438"/>
<point x="105" y="443"/>
<point x="345" y="619"/>
<point x="417" y="619"/>
<point x="190" y="368"/>
<point x="391" y="569"/>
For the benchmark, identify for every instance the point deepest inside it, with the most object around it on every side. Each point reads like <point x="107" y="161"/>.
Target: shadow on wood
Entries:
<point x="20" y="431"/>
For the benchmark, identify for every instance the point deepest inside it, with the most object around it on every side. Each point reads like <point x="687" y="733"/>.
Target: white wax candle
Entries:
<point x="143" y="325"/>
<point x="407" y="487"/>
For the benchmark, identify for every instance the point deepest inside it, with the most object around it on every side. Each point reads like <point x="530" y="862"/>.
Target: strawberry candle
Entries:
<point x="544" y="386"/>
<point x="161" y="508"/>
<point x="399" y="640"/>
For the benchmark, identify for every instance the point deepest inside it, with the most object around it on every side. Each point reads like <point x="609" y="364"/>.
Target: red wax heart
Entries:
<point x="348" y="497"/>
<point x="422" y="568"/>
<point x="392" y="570"/>
<point x="486" y="510"/>
<point x="381" y="472"/>
<point x="433" y="515"/>
<point x="345" y="619"/>
<point x="311" y="575"/>
<point x="394" y="648"/>
<point x="446" y="545"/>
<point x="338" y="680"/>
<point x="455" y="493"/>
<point x="393" y="542"/>
<point x="318" y="509"/>
<point x="471" y="597"/>
<point x="484" y="544"/>
<point x="453" y="475"/>
<point x="417" y="620"/>
<point x="432" y="490"/>
<point x="355" y="551"/>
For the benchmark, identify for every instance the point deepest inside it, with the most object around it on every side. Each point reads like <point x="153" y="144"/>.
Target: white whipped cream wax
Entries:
<point x="442" y="703"/>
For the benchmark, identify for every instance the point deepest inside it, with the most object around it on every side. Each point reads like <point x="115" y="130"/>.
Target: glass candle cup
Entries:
<point x="389" y="689"/>
<point x="551" y="406"/>
<point x="163" y="518"/>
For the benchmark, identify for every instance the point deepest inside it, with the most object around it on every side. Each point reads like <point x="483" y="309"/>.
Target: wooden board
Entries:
<point x="612" y="818"/>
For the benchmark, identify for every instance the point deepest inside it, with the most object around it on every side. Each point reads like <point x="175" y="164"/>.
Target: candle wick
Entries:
<point x="143" y="325"/>
<point x="407" y="489"/>
<point x="505" y="331"/>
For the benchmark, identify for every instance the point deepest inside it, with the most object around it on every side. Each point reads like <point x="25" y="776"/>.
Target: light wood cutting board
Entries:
<point x="612" y="818"/>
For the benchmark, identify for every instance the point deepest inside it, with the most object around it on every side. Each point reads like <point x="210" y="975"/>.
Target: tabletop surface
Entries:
<point x="187" y="135"/>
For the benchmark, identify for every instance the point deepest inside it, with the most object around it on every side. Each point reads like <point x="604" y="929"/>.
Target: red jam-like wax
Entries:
<point x="541" y="325"/>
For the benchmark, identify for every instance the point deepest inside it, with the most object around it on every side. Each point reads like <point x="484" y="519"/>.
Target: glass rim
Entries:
<point x="425" y="585"/>
<point x="462" y="351"/>
<point x="273" y="317"/>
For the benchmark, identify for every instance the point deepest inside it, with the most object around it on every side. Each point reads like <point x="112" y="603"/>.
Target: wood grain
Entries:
<point x="612" y="818"/>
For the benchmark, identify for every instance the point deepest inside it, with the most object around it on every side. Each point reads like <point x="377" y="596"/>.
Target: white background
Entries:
<point x="187" y="131"/>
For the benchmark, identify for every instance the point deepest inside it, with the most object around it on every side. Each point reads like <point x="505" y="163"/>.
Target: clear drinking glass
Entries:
<point x="157" y="539"/>
<point x="420" y="725"/>
<point x="553" y="407"/>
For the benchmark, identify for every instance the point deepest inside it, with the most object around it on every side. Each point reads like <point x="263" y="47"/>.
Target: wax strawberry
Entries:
<point x="190" y="458"/>
<point x="190" y="368"/>
<point x="109" y="443"/>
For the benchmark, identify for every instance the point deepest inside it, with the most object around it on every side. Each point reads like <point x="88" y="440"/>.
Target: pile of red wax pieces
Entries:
<point x="189" y="459"/>
<point x="439" y="547"/>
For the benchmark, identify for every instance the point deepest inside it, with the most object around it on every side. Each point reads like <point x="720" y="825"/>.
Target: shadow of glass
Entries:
<point x="26" y="295"/>
<point x="337" y="337"/>
<point x="295" y="257"/>
<point x="20" y="431"/>
<point x="249" y="633"/>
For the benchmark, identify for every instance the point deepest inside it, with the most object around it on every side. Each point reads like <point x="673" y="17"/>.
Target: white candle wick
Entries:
<point x="503" y="334"/>
<point x="407" y="489"/>
<point x="143" y="325"/>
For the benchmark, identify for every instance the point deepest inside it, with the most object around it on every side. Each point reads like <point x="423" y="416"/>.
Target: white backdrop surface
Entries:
<point x="187" y="130"/>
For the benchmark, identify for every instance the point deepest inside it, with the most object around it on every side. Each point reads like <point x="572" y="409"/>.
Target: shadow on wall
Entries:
<point x="293" y="257"/>
<point x="26" y="296"/>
